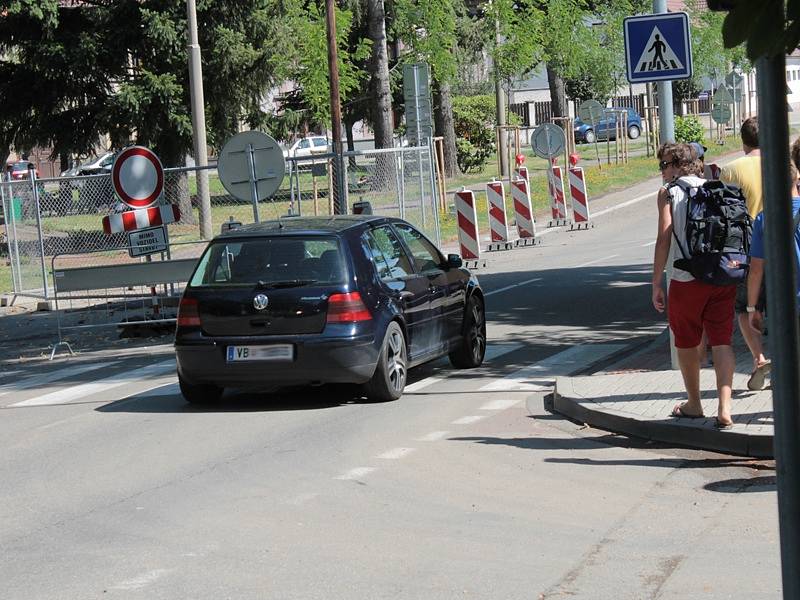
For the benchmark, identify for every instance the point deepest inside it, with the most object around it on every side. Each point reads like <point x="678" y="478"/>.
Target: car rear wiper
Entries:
<point x="288" y="283"/>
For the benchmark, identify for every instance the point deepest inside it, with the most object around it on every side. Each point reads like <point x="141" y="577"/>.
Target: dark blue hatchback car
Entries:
<point x="348" y="299"/>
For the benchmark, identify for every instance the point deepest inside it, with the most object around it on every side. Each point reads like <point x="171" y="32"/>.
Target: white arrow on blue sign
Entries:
<point x="658" y="47"/>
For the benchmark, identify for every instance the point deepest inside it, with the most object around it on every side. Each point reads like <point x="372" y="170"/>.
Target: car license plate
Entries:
<point x="274" y="352"/>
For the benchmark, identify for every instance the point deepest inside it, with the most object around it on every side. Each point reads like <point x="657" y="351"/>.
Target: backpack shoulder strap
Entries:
<point x="685" y="187"/>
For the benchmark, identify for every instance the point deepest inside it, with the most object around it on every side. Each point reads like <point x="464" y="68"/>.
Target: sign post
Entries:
<point x="658" y="48"/>
<point x="417" y="98"/>
<point x="591" y="111"/>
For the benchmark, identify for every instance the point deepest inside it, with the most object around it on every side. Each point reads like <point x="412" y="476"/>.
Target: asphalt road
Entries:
<point x="113" y="487"/>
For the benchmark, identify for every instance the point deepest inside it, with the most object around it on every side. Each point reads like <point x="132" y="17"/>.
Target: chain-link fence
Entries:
<point x="64" y="215"/>
<point x="398" y="182"/>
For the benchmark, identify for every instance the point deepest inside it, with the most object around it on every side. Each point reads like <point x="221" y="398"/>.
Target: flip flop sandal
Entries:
<point x="679" y="413"/>
<point x="758" y="378"/>
<point x="721" y="425"/>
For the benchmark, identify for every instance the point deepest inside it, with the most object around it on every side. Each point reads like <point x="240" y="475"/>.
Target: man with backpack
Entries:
<point x="745" y="172"/>
<point x="703" y="231"/>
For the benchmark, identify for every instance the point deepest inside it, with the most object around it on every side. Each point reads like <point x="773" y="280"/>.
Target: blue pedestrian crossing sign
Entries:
<point x="658" y="47"/>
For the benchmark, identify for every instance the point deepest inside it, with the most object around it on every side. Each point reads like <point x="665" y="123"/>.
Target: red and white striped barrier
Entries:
<point x="498" y="224"/>
<point x="467" y="216"/>
<point x="130" y="220"/>
<point x="522" y="172"/>
<point x="526" y="226"/>
<point x="559" y="204"/>
<point x="579" y="197"/>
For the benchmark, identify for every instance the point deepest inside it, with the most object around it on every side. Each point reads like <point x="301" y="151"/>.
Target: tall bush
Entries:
<point x="474" y="120"/>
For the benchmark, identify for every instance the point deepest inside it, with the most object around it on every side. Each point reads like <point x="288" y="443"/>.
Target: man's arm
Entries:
<point x="661" y="253"/>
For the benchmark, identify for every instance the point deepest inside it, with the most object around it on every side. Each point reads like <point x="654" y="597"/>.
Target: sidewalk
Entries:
<point x="636" y="395"/>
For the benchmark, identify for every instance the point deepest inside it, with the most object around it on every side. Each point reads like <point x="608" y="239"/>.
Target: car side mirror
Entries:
<point x="454" y="261"/>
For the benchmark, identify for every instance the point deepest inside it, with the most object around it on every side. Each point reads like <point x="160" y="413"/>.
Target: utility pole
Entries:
<point x="336" y="110"/>
<point x="500" y="105"/>
<point x="666" y="120"/>
<point x="198" y="121"/>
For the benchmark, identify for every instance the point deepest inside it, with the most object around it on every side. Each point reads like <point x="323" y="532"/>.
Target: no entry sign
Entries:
<point x="138" y="177"/>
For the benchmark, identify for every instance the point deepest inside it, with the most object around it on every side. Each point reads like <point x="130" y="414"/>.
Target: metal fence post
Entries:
<point x="421" y="184"/>
<point x="434" y="192"/>
<point x="35" y="190"/>
<point x="402" y="192"/>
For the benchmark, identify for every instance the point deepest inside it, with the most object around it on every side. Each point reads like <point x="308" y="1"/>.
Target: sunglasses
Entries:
<point x="665" y="163"/>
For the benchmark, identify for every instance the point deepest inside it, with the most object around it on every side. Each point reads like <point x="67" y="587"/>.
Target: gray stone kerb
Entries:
<point x="639" y="404"/>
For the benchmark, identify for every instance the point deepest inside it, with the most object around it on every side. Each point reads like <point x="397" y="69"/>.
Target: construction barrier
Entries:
<point x="526" y="226"/>
<point x="467" y="216"/>
<point x="558" y="203"/>
<point x="522" y="173"/>
<point x="498" y="225"/>
<point x="580" y="198"/>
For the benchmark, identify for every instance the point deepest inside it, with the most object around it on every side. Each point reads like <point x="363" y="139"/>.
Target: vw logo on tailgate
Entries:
<point x="260" y="302"/>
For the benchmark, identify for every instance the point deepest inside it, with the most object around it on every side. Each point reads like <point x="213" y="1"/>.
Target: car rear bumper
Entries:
<point x="317" y="359"/>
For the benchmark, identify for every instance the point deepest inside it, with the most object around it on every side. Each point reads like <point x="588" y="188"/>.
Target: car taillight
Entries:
<point x="188" y="315"/>
<point x="347" y="308"/>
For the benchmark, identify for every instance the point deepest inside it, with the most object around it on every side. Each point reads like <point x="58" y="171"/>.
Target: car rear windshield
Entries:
<point x="270" y="262"/>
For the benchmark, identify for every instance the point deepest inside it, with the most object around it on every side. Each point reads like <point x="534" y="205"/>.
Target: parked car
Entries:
<point x="98" y="165"/>
<point x="355" y="299"/>
<point x="19" y="170"/>
<point x="606" y="127"/>
<point x="315" y="144"/>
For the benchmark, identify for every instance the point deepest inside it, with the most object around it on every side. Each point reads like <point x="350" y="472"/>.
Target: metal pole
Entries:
<point x="198" y="121"/>
<point x="34" y="187"/>
<point x="781" y="303"/>
<point x="336" y="109"/>
<point x="666" y="119"/>
<point x="251" y="164"/>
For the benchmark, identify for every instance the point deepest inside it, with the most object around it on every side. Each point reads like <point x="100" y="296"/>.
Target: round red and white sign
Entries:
<point x="138" y="177"/>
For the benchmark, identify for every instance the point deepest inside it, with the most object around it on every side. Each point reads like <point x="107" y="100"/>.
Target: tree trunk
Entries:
<point x="379" y="72"/>
<point x="443" y="119"/>
<point x="558" y="98"/>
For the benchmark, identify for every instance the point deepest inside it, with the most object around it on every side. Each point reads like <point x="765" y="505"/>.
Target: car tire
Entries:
<point x="200" y="393"/>
<point x="589" y="136"/>
<point x="634" y="132"/>
<point x="389" y="379"/>
<point x="472" y="346"/>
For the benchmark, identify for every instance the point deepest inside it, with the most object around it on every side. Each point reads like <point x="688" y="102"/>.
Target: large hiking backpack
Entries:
<point x="718" y="230"/>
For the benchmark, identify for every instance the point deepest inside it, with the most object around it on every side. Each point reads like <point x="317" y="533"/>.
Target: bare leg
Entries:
<point x="753" y="340"/>
<point x="689" y="362"/>
<point x="724" y="365"/>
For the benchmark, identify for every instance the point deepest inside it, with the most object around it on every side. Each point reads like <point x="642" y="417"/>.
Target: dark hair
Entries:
<point x="749" y="132"/>
<point x="795" y="153"/>
<point x="683" y="156"/>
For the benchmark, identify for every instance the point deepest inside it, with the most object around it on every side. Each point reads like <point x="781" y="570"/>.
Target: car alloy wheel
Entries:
<point x="589" y="136"/>
<point x="477" y="334"/>
<point x="395" y="361"/>
<point x="633" y="132"/>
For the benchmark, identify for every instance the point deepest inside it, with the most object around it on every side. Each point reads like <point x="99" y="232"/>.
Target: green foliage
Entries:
<point x="514" y="31"/>
<point x="688" y="129"/>
<point x="767" y="27"/>
<point x="428" y="28"/>
<point x="474" y="118"/>
<point x="710" y="58"/>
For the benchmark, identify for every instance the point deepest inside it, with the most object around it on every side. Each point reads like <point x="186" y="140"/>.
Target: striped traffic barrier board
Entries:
<point x="559" y="206"/>
<point x="522" y="172"/>
<point x="468" y="238"/>
<point x="579" y="197"/>
<point x="526" y="227"/>
<point x="498" y="224"/>
<point x="130" y="220"/>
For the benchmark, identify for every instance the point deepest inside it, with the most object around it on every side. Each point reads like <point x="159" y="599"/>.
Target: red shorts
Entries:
<point x="694" y="306"/>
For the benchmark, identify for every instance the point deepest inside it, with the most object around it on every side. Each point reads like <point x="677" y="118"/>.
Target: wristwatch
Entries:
<point x="750" y="309"/>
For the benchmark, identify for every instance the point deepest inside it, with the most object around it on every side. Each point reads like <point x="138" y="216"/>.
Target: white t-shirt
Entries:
<point x="678" y="198"/>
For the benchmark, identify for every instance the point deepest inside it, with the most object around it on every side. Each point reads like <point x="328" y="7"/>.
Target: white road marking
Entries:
<point x="396" y="453"/>
<point x="541" y="375"/>
<point x="593" y="262"/>
<point x="9" y="373"/>
<point x="356" y="473"/>
<point x="492" y="351"/>
<point x="512" y="286"/>
<point x="600" y="213"/>
<point x="422" y="383"/>
<point x="88" y="389"/>
<point x="142" y="580"/>
<point x="36" y="381"/>
<point x="469" y="420"/>
<point x="499" y="404"/>
<point x="161" y="389"/>
<point x="648" y="244"/>
<point x="433" y="436"/>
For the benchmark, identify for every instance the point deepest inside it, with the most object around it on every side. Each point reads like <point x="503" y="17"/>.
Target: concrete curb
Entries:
<point x="695" y="434"/>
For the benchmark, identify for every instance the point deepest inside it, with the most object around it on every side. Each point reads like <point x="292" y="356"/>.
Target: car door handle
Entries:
<point x="404" y="295"/>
